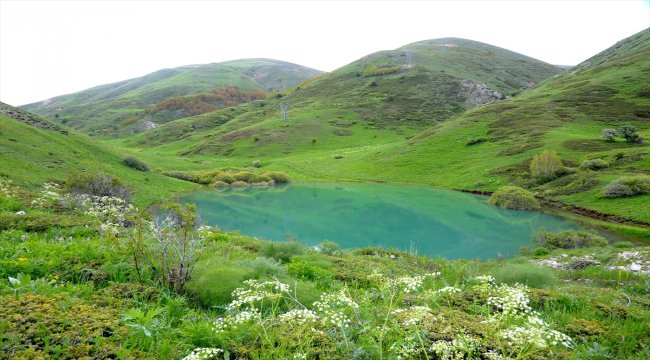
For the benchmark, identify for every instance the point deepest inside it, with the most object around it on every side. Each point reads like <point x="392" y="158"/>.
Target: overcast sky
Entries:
<point x="52" y="48"/>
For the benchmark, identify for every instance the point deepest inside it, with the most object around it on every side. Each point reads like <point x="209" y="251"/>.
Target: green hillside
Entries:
<point x="34" y="151"/>
<point x="112" y="108"/>
<point x="493" y="145"/>
<point x="383" y="97"/>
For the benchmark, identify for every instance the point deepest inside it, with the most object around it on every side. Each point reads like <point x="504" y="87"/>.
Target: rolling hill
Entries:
<point x="34" y="151"/>
<point x="122" y="107"/>
<point x="382" y="97"/>
<point x="492" y="146"/>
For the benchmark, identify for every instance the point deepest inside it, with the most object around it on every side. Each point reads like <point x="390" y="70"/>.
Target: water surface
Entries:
<point x="420" y="219"/>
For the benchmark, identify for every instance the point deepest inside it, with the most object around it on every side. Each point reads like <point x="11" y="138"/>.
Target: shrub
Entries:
<point x="628" y="186"/>
<point x="183" y="176"/>
<point x="244" y="176"/>
<point x="240" y="184"/>
<point x="135" y="163"/>
<point x="609" y="135"/>
<point x="595" y="164"/>
<point x="328" y="247"/>
<point x="513" y="197"/>
<point x="282" y="251"/>
<point x="278" y="177"/>
<point x="373" y="70"/>
<point x="227" y="274"/>
<point x="227" y="178"/>
<point x="569" y="240"/>
<point x="219" y="184"/>
<point x="98" y="184"/>
<point x="257" y="164"/>
<point x="629" y="133"/>
<point x="531" y="275"/>
<point x="475" y="141"/>
<point x="546" y="165"/>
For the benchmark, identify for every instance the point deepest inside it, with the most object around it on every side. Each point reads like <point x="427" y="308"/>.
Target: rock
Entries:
<point x="479" y="94"/>
<point x="635" y="267"/>
<point x="20" y="213"/>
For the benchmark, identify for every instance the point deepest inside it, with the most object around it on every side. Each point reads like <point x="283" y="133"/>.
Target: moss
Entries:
<point x="513" y="197"/>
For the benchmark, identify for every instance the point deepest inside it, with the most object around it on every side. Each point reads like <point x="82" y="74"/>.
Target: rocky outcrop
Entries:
<point x="479" y="94"/>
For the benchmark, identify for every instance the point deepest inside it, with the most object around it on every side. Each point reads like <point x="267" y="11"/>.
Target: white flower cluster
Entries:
<point x="485" y="279"/>
<point x="512" y="300"/>
<point x="298" y="317"/>
<point x="537" y="333"/>
<point x="461" y="347"/>
<point x="112" y="212"/>
<point x="413" y="315"/>
<point x="446" y="291"/>
<point x="406" y="350"/>
<point x="300" y="356"/>
<point x="331" y="307"/>
<point x="407" y="284"/>
<point x="241" y="317"/>
<point x="6" y="189"/>
<point x="50" y="195"/>
<point x="203" y="354"/>
<point x="257" y="291"/>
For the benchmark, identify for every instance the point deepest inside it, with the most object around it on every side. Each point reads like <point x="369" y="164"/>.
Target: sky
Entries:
<point x="50" y="48"/>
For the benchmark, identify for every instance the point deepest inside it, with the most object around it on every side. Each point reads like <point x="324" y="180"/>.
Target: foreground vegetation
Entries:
<point x="109" y="283"/>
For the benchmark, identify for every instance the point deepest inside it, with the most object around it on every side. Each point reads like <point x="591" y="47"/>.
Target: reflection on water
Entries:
<point x="434" y="222"/>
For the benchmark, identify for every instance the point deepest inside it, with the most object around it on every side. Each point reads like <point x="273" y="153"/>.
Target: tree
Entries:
<point x="609" y="135"/>
<point x="545" y="165"/>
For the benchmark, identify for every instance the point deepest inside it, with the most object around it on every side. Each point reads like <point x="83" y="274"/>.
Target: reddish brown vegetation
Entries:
<point x="202" y="103"/>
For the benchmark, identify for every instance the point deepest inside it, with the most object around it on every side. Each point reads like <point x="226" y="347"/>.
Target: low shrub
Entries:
<point x="374" y="70"/>
<point x="227" y="178"/>
<point x="609" y="135"/>
<point x="182" y="176"/>
<point x="98" y="184"/>
<point x="240" y="184"/>
<point x="328" y="247"/>
<point x="278" y="177"/>
<point x="245" y="176"/>
<point x="569" y="240"/>
<point x="475" y="141"/>
<point x="257" y="164"/>
<point x="229" y="275"/>
<point x="135" y="163"/>
<point x="282" y="251"/>
<point x="531" y="275"/>
<point x="628" y="186"/>
<point x="513" y="197"/>
<point x="546" y="165"/>
<point x="595" y="164"/>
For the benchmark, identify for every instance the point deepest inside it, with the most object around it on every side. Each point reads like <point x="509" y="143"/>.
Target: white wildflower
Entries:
<point x="203" y="353"/>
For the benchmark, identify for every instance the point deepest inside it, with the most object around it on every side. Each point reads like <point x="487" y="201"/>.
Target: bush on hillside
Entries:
<point x="546" y="165"/>
<point x="609" y="135"/>
<point x="278" y="177"/>
<point x="373" y="70"/>
<point x="513" y="197"/>
<point x="98" y="184"/>
<point x="628" y="186"/>
<point x="569" y="240"/>
<point x="282" y="251"/>
<point x="135" y="163"/>
<point x="595" y="164"/>
<point x="528" y="274"/>
<point x="629" y="133"/>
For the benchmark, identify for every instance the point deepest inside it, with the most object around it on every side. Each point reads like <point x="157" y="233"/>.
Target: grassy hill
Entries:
<point x="383" y="97"/>
<point x="34" y="151"/>
<point x="492" y="146"/>
<point x="117" y="107"/>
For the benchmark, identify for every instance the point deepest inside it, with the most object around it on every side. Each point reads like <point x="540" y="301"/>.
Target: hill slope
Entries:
<point x="33" y="151"/>
<point x="380" y="98"/>
<point x="107" y="109"/>
<point x="493" y="145"/>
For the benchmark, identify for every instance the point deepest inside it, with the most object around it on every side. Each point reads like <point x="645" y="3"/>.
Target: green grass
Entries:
<point x="100" y="110"/>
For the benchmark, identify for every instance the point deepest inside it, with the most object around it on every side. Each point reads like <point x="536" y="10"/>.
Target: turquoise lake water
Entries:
<point x="428" y="221"/>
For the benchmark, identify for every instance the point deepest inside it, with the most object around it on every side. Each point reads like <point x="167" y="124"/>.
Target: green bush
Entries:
<point x="629" y="133"/>
<point x="98" y="184"/>
<point x="278" y="177"/>
<point x="628" y="186"/>
<point x="227" y="178"/>
<point x="374" y="70"/>
<point x="245" y="176"/>
<point x="213" y="285"/>
<point x="569" y="240"/>
<point x="595" y="164"/>
<point x="609" y="135"/>
<point x="135" y="163"/>
<point x="513" y="197"/>
<point x="181" y="175"/>
<point x="328" y="247"/>
<point x="546" y="165"/>
<point x="531" y="275"/>
<point x="282" y="251"/>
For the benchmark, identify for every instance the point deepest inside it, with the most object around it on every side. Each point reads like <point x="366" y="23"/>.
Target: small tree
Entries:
<point x="609" y="135"/>
<point x="545" y="165"/>
<point x="629" y="133"/>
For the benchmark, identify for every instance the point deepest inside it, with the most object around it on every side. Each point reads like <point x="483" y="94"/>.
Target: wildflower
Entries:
<point x="6" y="189"/>
<point x="485" y="279"/>
<point x="456" y="348"/>
<point x="333" y="306"/>
<point x="446" y="291"/>
<point x="413" y="315"/>
<point x="257" y="291"/>
<point x="203" y="353"/>
<point x="246" y="316"/>
<point x="536" y="333"/>
<point x="298" y="317"/>
<point x="22" y="259"/>
<point x="512" y="300"/>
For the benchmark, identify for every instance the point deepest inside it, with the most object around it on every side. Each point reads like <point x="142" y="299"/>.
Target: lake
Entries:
<point x="419" y="219"/>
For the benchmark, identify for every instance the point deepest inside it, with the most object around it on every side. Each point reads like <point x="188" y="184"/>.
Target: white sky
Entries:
<point x="50" y="48"/>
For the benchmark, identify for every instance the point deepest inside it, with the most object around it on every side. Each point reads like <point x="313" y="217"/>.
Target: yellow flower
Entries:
<point x="23" y="259"/>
